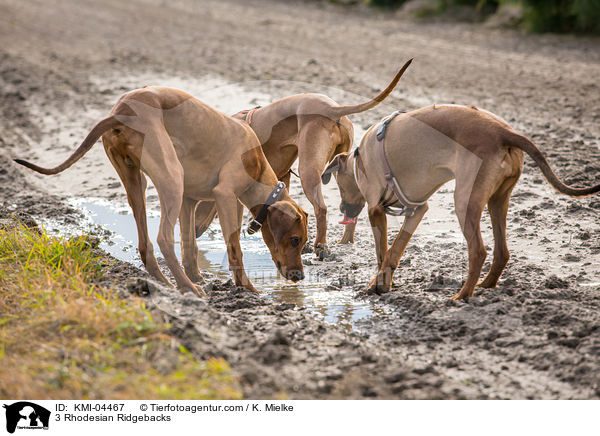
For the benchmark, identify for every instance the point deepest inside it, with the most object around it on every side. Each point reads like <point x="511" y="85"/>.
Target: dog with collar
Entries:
<point x="405" y="159"/>
<point x="194" y="153"/>
<point x="313" y="129"/>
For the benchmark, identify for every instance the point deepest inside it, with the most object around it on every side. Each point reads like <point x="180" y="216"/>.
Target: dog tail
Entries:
<point x="525" y="144"/>
<point x="89" y="141"/>
<point x="339" y="111"/>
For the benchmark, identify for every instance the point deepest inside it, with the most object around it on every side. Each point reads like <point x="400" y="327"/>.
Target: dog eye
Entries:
<point x="295" y="242"/>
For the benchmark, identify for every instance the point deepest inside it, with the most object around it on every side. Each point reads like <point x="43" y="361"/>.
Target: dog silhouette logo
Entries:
<point x="26" y="415"/>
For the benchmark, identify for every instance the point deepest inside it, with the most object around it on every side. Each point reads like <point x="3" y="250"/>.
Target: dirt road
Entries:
<point x="536" y="336"/>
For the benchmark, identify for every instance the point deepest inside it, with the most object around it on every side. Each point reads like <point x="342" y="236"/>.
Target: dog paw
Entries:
<point x="196" y="289"/>
<point x="463" y="294"/>
<point x="241" y="280"/>
<point x="251" y="287"/>
<point x="195" y="277"/>
<point x="199" y="291"/>
<point x="346" y="240"/>
<point x="158" y="275"/>
<point x="383" y="280"/>
<point x="378" y="285"/>
<point x="323" y="252"/>
<point x="488" y="283"/>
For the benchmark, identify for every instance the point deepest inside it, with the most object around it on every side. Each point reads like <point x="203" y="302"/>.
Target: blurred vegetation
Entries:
<point x="562" y="16"/>
<point x="565" y="16"/>
<point x="64" y="338"/>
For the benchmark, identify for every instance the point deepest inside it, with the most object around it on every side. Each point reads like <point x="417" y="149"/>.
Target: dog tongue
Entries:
<point x="347" y="220"/>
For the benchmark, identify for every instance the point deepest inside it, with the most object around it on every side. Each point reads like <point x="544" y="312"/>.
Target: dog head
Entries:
<point x="285" y="233"/>
<point x="353" y="201"/>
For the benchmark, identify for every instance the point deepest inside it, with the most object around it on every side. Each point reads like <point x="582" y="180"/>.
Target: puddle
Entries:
<point x="314" y="292"/>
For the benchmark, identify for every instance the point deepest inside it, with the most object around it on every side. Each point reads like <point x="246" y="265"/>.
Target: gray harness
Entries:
<point x="391" y="207"/>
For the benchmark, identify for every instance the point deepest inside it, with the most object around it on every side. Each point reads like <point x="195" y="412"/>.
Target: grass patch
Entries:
<point x="62" y="337"/>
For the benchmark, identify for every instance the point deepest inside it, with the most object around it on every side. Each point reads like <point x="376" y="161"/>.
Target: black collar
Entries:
<point x="256" y="223"/>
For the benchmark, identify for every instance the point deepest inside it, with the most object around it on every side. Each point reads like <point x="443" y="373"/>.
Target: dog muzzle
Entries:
<point x="350" y="211"/>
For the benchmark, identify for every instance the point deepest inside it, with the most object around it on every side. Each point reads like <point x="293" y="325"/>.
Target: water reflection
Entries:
<point x="288" y="294"/>
<point x="315" y="293"/>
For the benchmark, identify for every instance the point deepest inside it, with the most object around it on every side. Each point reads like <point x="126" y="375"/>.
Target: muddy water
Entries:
<point x="116" y="223"/>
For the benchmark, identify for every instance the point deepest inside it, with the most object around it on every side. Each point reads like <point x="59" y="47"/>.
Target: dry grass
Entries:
<point x="63" y="338"/>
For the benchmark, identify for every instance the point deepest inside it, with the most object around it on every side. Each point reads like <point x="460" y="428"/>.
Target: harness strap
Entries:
<point x="249" y="113"/>
<point x="356" y="166"/>
<point x="408" y="207"/>
<point x="255" y="224"/>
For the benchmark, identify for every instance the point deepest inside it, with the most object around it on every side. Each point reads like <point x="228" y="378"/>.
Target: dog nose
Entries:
<point x="295" y="275"/>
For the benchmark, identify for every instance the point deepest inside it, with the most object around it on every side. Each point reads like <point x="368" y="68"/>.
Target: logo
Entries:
<point x="26" y="415"/>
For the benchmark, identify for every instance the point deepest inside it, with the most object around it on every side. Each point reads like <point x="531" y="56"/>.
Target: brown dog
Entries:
<point x="312" y="128"/>
<point x="192" y="152"/>
<point x="424" y="149"/>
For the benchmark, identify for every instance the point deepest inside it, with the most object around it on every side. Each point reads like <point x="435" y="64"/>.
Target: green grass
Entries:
<point x="62" y="337"/>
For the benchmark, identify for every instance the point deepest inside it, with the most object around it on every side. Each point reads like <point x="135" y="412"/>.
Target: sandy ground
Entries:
<point x="536" y="336"/>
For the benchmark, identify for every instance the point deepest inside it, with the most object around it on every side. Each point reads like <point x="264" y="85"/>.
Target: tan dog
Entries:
<point x="425" y="149"/>
<point x="192" y="152"/>
<point x="312" y="128"/>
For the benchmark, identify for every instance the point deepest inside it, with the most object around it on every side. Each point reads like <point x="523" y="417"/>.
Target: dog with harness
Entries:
<point x="407" y="157"/>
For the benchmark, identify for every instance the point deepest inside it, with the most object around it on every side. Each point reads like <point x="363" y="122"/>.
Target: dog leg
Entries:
<point x="205" y="215"/>
<point x="240" y="212"/>
<point x="378" y="220"/>
<point x="348" y="236"/>
<point x="189" y="248"/>
<point x="170" y="193"/>
<point x="498" y="209"/>
<point x="135" y="183"/>
<point x="469" y="205"/>
<point x="145" y="246"/>
<point x="477" y="255"/>
<point x="229" y="210"/>
<point x="162" y="165"/>
<point x="314" y="148"/>
<point x="382" y="282"/>
<point x="312" y="188"/>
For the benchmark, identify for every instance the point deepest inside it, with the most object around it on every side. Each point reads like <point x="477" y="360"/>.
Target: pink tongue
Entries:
<point x="347" y="220"/>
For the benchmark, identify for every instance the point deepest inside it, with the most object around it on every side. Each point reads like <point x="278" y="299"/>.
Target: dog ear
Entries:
<point x="280" y="217"/>
<point x="302" y="213"/>
<point x="333" y="167"/>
